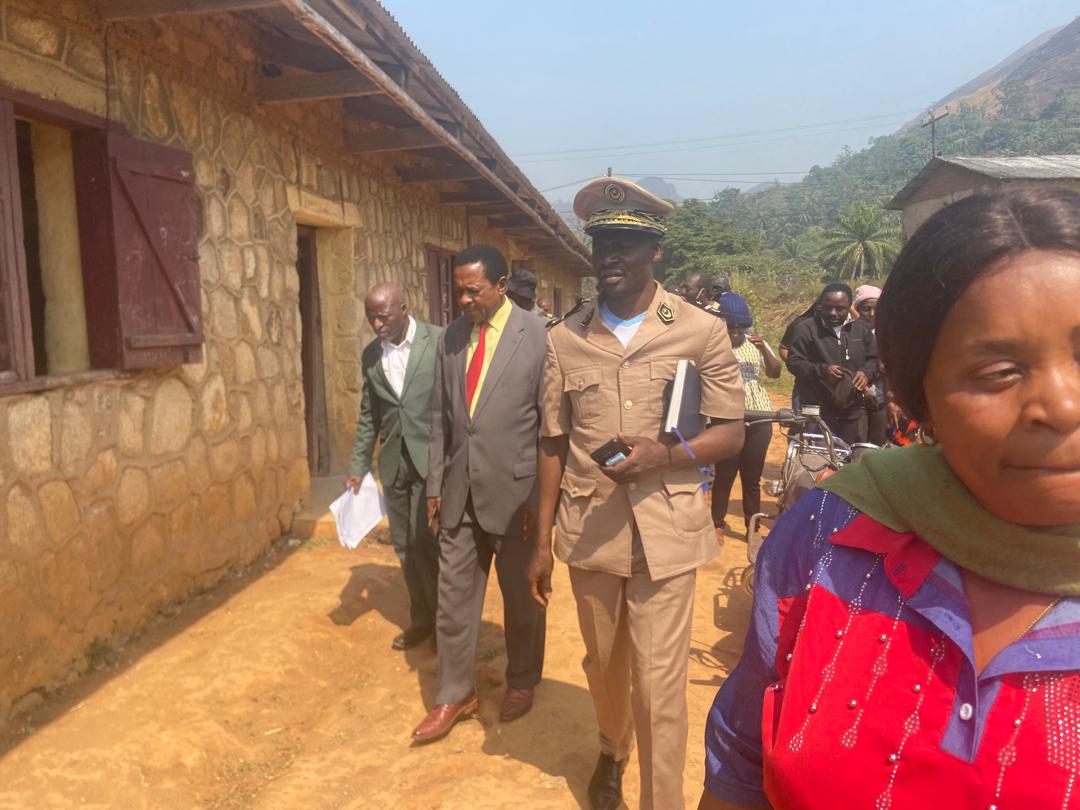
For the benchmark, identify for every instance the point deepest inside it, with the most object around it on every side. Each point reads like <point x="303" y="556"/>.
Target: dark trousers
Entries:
<point x="465" y="561"/>
<point x="748" y="465"/>
<point x="874" y="425"/>
<point x="844" y="423"/>
<point x="416" y="548"/>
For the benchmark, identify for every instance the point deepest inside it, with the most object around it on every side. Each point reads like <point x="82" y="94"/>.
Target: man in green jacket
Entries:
<point x="398" y="372"/>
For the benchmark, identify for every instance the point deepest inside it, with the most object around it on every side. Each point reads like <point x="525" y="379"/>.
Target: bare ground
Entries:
<point x="279" y="690"/>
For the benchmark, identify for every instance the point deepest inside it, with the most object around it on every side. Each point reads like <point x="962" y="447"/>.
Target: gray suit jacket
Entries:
<point x="400" y="424"/>
<point x="493" y="454"/>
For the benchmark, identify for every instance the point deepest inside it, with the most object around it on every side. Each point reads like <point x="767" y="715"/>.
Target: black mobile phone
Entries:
<point x="611" y="453"/>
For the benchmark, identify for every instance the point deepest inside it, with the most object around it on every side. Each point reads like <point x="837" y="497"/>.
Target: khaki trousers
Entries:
<point x="637" y="642"/>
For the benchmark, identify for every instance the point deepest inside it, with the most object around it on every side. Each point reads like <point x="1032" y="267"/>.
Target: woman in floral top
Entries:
<point x="915" y="635"/>
<point x="755" y="357"/>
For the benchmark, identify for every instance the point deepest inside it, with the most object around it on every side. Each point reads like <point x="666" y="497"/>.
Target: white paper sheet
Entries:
<point x="355" y="515"/>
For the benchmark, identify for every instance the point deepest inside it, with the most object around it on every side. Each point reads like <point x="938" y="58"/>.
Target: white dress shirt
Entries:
<point x="395" y="358"/>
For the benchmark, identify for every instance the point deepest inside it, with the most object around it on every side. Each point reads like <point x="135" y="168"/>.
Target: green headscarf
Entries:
<point x="913" y="489"/>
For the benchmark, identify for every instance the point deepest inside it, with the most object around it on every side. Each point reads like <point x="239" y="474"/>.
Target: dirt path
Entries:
<point x="279" y="690"/>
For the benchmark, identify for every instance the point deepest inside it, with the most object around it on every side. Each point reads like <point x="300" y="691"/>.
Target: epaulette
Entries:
<point x="701" y="305"/>
<point x="577" y="307"/>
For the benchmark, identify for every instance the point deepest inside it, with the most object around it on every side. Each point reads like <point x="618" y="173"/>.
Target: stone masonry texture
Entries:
<point x="121" y="496"/>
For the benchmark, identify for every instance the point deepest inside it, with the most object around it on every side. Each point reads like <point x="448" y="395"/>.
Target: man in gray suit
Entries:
<point x="398" y="372"/>
<point x="481" y="486"/>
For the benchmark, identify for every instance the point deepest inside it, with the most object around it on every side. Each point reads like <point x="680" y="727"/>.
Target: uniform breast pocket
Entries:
<point x="578" y="492"/>
<point x="686" y="499"/>
<point x="582" y="385"/>
<point x="661" y="373"/>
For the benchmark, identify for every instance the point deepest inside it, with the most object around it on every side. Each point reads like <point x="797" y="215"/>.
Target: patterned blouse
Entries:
<point x="857" y="686"/>
<point x="752" y="367"/>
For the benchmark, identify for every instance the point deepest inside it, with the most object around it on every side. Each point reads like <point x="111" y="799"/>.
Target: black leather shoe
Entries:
<point x="605" y="787"/>
<point x="411" y="638"/>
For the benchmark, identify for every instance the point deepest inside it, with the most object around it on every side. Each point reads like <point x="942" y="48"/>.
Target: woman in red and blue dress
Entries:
<point x="915" y="635"/>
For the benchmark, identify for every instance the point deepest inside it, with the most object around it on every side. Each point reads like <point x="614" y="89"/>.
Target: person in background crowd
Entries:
<point x="834" y="360"/>
<point x="482" y="487"/>
<point x="397" y="370"/>
<point x="634" y="533"/>
<point x="542" y="308"/>
<point x="874" y="420"/>
<point x="785" y="342"/>
<point x="521" y="290"/>
<point x="721" y="284"/>
<point x="755" y="357"/>
<point x="915" y="634"/>
<point x="693" y="285"/>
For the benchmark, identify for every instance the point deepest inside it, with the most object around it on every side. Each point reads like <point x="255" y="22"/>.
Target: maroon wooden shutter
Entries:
<point x="16" y="343"/>
<point x="138" y="228"/>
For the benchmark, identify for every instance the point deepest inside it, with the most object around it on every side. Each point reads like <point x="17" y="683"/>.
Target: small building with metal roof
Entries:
<point x="945" y="180"/>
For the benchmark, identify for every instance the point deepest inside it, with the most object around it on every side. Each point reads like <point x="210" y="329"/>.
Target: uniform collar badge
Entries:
<point x="665" y="313"/>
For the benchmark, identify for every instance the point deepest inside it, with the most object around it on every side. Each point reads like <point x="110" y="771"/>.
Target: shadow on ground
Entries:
<point x="108" y="660"/>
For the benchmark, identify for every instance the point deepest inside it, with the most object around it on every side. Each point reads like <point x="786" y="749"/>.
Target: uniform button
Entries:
<point x="631" y="486"/>
<point x="628" y="404"/>
<point x="580" y="383"/>
<point x="626" y="364"/>
<point x="966" y="711"/>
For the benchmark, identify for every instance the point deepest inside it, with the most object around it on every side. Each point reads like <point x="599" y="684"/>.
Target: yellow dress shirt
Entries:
<point x="496" y="327"/>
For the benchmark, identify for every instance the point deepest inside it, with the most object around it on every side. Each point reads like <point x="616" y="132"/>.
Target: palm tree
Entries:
<point x="863" y="243"/>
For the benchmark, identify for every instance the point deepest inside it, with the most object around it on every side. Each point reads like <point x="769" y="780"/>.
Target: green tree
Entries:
<point x="864" y="243"/>
<point x="695" y="237"/>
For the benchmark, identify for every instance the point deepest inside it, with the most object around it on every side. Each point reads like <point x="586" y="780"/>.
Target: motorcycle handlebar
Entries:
<point x="783" y="415"/>
<point x="795" y="419"/>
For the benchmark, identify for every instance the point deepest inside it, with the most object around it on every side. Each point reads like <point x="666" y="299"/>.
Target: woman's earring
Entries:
<point x="925" y="437"/>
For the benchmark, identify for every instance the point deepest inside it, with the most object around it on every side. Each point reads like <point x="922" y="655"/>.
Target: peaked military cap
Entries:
<point x="617" y="203"/>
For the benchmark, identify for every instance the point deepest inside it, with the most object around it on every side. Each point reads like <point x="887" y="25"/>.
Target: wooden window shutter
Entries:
<point x="139" y="233"/>
<point x="16" y="343"/>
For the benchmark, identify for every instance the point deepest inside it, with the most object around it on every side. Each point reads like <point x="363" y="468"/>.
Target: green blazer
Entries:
<point x="399" y="424"/>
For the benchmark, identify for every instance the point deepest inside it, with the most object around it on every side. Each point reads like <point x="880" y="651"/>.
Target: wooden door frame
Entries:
<point x="313" y="365"/>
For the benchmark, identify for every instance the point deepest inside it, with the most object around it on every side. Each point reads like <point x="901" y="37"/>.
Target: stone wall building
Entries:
<point x="194" y="199"/>
<point x="944" y="180"/>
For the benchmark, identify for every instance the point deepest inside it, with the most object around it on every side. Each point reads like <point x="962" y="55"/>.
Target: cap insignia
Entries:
<point x="665" y="313"/>
<point x="614" y="192"/>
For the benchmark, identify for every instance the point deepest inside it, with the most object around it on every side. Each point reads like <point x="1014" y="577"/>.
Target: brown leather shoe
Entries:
<point x="516" y="703"/>
<point x="442" y="718"/>
<point x="605" y="787"/>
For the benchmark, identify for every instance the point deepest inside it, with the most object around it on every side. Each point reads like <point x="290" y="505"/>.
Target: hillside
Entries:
<point x="980" y="89"/>
<point x="1053" y="68"/>
<point x="1027" y="104"/>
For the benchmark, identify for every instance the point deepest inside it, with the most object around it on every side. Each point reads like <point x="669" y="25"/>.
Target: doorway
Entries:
<point x="311" y="354"/>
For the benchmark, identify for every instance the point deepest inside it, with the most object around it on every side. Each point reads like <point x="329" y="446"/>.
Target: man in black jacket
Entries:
<point x="834" y="360"/>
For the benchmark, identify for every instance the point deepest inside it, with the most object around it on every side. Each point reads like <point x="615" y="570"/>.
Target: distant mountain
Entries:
<point x="661" y="188"/>
<point x="1047" y="66"/>
<point x="1028" y="104"/>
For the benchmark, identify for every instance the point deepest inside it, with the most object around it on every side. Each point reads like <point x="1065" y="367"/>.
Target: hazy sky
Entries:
<point x="710" y="87"/>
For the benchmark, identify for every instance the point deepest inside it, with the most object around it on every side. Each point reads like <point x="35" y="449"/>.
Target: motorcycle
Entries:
<point x="813" y="454"/>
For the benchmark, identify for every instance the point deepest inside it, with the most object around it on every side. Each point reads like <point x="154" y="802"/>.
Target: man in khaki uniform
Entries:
<point x="633" y="534"/>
